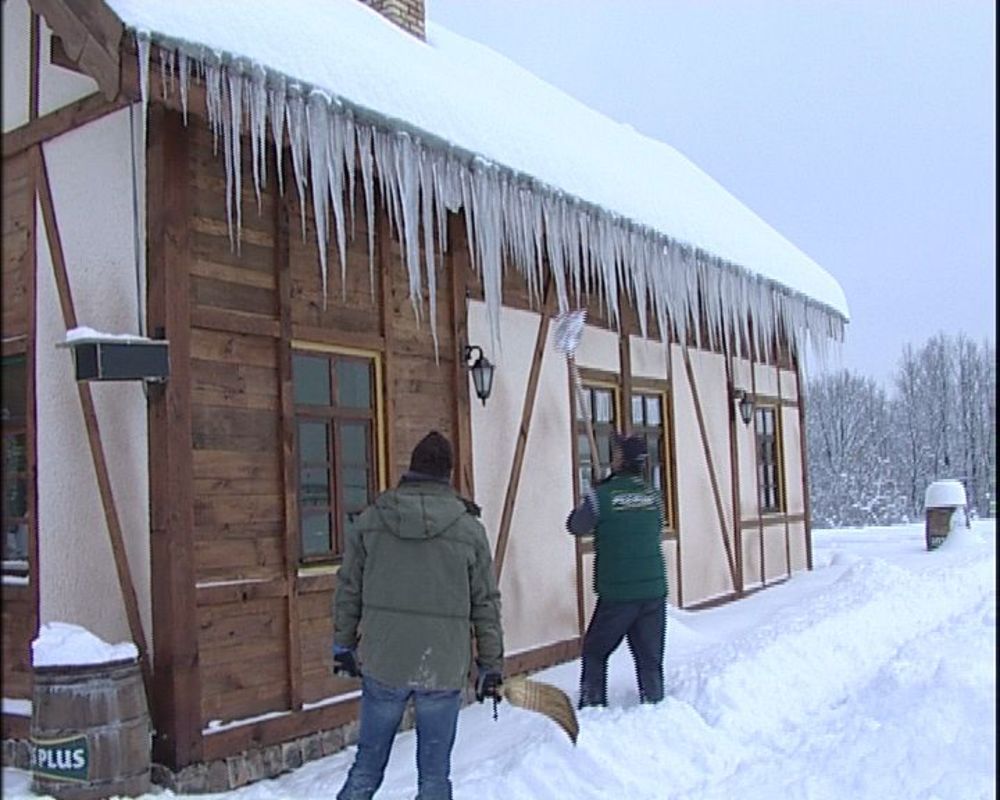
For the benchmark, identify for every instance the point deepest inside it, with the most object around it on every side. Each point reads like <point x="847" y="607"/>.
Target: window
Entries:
<point x="602" y="402"/>
<point x="649" y="421"/>
<point x="15" y="465"/>
<point x="768" y="461"/>
<point x="335" y="418"/>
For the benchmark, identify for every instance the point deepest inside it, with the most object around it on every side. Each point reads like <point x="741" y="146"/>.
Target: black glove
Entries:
<point x="344" y="662"/>
<point x="488" y="684"/>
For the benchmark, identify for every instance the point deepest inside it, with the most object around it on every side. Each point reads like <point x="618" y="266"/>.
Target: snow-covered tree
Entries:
<point x="852" y="480"/>
<point x="871" y="456"/>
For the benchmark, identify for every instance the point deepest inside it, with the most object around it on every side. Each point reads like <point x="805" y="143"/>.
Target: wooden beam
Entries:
<point x="93" y="428"/>
<point x="59" y="57"/>
<point x="672" y="433"/>
<point x="177" y="701"/>
<point x="91" y="34"/>
<point x="756" y="469"/>
<point x="31" y="361"/>
<point x="33" y="68"/>
<point x="780" y="453"/>
<point x="716" y="494"/>
<point x="805" y="463"/>
<point x="56" y="123"/>
<point x="531" y="391"/>
<point x="456" y="262"/>
<point x="627" y="318"/>
<point x="734" y="466"/>
<point x="383" y="267"/>
<point x="283" y="273"/>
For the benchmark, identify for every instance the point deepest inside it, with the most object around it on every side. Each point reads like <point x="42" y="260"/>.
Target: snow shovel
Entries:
<point x="568" y="329"/>
<point x="543" y="698"/>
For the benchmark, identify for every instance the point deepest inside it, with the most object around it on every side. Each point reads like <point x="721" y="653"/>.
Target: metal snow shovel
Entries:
<point x="543" y="698"/>
<point x="568" y="329"/>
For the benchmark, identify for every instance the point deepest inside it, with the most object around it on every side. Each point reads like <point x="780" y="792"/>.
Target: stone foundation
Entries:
<point x="237" y="770"/>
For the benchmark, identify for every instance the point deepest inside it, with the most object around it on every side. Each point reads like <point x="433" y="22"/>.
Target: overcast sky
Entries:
<point x="862" y="130"/>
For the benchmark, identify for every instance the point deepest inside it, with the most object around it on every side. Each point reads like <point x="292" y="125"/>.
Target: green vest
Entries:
<point x="628" y="561"/>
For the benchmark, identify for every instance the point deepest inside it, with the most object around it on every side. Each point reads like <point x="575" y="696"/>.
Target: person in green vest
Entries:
<point x="625" y="515"/>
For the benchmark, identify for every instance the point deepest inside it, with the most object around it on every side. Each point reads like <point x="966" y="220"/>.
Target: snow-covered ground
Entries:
<point x="873" y="676"/>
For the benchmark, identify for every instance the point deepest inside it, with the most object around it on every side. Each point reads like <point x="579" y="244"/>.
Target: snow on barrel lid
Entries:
<point x="64" y="644"/>
<point x="942" y="494"/>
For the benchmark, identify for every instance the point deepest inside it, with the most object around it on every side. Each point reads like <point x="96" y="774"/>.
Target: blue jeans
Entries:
<point x="382" y="710"/>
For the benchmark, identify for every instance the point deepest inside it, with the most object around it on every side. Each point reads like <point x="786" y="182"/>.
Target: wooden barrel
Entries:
<point x="90" y="731"/>
<point x="937" y="526"/>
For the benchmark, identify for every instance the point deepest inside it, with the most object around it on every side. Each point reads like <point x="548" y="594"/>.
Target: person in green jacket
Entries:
<point x="416" y="586"/>
<point x="626" y="516"/>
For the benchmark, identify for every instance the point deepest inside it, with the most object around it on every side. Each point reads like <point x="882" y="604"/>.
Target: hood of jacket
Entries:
<point x="419" y="509"/>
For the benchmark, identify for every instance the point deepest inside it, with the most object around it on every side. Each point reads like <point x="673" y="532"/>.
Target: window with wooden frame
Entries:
<point x="650" y="420"/>
<point x="769" y="480"/>
<point x="602" y="401"/>
<point x="336" y="435"/>
<point x="15" y="465"/>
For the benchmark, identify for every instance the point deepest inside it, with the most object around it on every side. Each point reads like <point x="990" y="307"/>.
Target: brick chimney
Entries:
<point x="407" y="14"/>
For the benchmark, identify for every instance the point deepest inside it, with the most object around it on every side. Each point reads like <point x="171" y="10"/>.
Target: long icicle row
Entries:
<point x="509" y="218"/>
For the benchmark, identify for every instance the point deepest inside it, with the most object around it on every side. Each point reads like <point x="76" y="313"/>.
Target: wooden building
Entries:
<point x="320" y="234"/>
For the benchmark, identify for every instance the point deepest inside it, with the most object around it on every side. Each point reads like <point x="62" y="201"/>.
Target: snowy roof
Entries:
<point x="454" y="122"/>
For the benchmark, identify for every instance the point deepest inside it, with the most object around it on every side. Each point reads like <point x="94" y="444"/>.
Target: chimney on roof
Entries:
<point x="407" y="14"/>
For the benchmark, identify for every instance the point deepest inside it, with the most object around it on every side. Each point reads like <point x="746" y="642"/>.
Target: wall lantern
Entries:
<point x="481" y="370"/>
<point x="745" y="405"/>
<point x="103" y="357"/>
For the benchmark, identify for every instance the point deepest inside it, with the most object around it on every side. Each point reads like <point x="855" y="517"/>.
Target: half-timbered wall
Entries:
<point x="90" y="175"/>
<point x="539" y="569"/>
<point x="202" y="469"/>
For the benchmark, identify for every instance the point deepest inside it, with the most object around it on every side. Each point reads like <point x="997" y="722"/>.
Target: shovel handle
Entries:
<point x="595" y="458"/>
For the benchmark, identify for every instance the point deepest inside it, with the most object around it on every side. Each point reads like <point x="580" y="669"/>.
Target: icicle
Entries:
<point x="364" y="134"/>
<point x="213" y="102"/>
<point x="165" y="72"/>
<point x="298" y="145"/>
<point x="318" y="127"/>
<point x="483" y="193"/>
<point x="508" y="220"/>
<point x="184" y="78"/>
<point x="426" y="181"/>
<point x="350" y="159"/>
<point x="142" y="51"/>
<point x="554" y="242"/>
<point x="233" y="126"/>
<point x="406" y="175"/>
<point x="257" y="102"/>
<point x="438" y="171"/>
<point x="276" y="103"/>
<point x="385" y="162"/>
<point x="335" y="172"/>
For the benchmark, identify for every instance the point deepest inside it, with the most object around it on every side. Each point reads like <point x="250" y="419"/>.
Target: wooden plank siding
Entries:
<point x="253" y="603"/>
<point x="17" y="329"/>
<point x="18" y="243"/>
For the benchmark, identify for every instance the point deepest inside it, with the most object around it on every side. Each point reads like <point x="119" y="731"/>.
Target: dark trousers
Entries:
<point x="382" y="709"/>
<point x="643" y="623"/>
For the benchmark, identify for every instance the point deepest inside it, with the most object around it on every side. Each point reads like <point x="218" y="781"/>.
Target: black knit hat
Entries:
<point x="432" y="456"/>
<point x="633" y="451"/>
